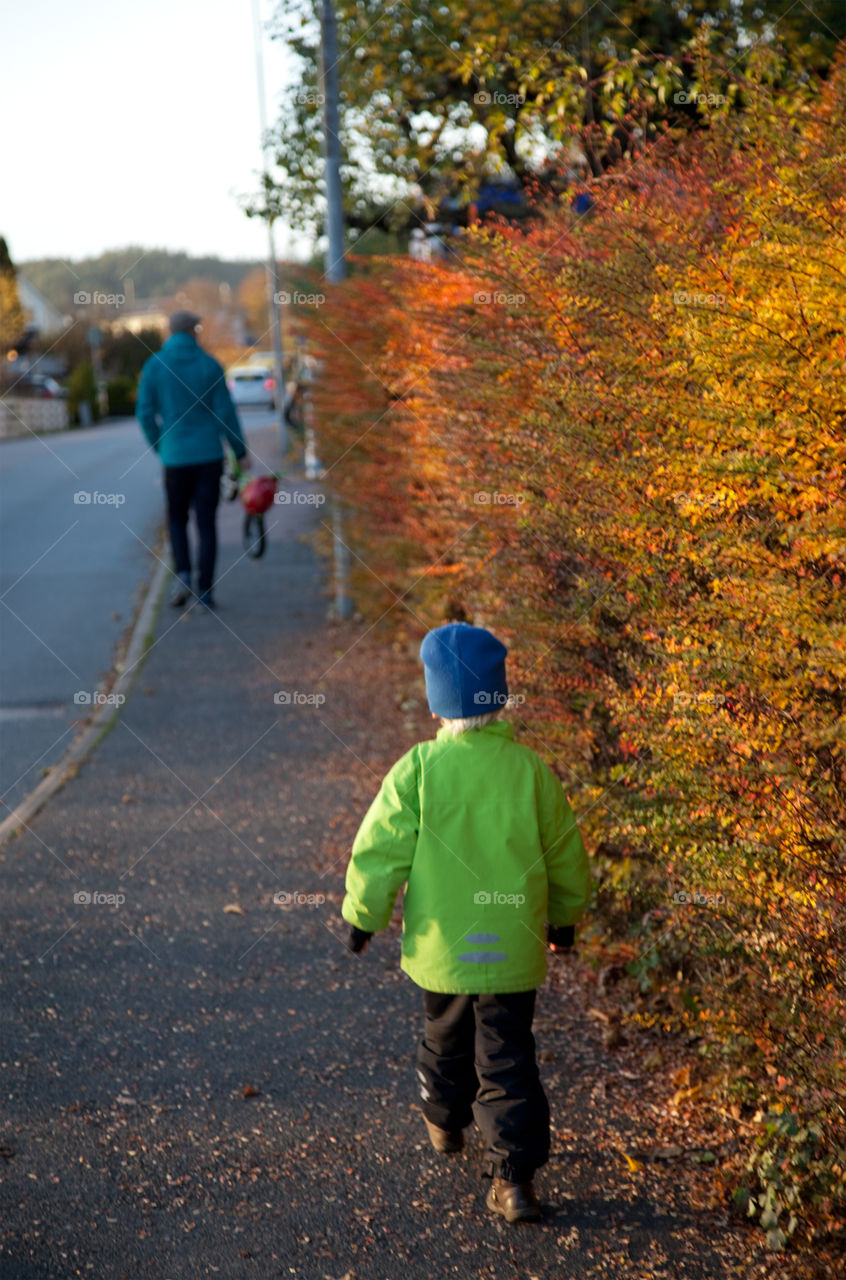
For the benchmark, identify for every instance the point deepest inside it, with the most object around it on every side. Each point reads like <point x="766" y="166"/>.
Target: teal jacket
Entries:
<point x="480" y="832"/>
<point x="184" y="405"/>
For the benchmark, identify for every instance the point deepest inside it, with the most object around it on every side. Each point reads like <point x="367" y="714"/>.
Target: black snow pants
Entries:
<point x="477" y="1059"/>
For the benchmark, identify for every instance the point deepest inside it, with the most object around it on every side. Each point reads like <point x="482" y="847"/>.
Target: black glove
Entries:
<point x="561" y="935"/>
<point x="358" y="939"/>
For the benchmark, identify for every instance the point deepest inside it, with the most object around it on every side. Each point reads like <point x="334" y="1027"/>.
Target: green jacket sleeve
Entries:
<point x="383" y="849"/>
<point x="567" y="865"/>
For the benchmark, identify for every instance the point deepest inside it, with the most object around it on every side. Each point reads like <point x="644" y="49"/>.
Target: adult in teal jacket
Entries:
<point x="186" y="413"/>
<point x="479" y="832"/>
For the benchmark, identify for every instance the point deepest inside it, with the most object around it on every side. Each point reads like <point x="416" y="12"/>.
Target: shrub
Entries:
<point x="620" y="441"/>
<point x="120" y="393"/>
<point x="82" y="389"/>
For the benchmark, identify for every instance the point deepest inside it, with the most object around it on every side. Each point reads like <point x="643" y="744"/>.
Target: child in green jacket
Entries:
<point x="479" y="831"/>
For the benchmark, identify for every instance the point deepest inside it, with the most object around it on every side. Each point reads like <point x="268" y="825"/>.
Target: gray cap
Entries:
<point x="184" y="322"/>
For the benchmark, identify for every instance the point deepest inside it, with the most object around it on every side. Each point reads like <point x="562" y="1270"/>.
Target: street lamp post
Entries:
<point x="336" y="267"/>
<point x="274" y="297"/>
<point x="274" y="302"/>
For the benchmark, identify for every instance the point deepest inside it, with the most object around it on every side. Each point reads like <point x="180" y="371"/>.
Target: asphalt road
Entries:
<point x="80" y="514"/>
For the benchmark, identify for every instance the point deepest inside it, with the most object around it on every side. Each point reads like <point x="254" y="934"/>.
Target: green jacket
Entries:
<point x="481" y="833"/>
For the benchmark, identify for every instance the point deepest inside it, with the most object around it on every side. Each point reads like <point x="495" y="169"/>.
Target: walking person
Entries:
<point x="186" y="413"/>
<point x="479" y="831"/>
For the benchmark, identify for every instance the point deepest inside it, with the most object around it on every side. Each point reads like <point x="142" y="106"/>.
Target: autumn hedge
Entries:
<point x="618" y="439"/>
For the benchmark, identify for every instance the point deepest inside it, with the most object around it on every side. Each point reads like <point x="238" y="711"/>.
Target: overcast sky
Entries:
<point x="132" y="122"/>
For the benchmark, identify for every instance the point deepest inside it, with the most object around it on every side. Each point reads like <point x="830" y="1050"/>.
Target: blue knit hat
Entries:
<point x="465" y="671"/>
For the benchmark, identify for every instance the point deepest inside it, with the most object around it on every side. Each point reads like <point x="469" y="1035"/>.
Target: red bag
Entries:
<point x="257" y="495"/>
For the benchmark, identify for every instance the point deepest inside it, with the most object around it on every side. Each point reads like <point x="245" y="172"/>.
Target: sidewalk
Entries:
<point x="201" y="1081"/>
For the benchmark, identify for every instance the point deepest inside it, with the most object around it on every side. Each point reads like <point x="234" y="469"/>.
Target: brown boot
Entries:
<point x="514" y="1201"/>
<point x="443" y="1140"/>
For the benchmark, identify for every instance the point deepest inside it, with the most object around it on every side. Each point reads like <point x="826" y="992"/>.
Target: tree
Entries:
<point x="153" y="272"/>
<point x="125" y="353"/>
<point x="436" y="97"/>
<point x="11" y="312"/>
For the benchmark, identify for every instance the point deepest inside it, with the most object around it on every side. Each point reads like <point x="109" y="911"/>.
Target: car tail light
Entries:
<point x="269" y="384"/>
<point x="230" y="382"/>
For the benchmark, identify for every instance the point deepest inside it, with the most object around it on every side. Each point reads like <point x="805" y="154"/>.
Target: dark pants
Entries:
<point x="197" y="486"/>
<point x="477" y="1059"/>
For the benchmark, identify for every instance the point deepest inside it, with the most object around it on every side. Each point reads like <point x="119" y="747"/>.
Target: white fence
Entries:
<point x="22" y="416"/>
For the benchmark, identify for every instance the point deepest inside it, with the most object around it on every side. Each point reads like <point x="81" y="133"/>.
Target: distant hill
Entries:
<point x="153" y="272"/>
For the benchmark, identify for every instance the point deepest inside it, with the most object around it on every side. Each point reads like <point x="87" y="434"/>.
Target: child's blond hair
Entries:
<point x="456" y="727"/>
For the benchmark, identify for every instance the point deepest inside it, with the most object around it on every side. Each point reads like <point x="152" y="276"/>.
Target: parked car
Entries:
<point x="252" y="384"/>
<point x="42" y="386"/>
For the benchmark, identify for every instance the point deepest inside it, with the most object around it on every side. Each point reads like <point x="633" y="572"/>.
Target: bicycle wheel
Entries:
<point x="254" y="539"/>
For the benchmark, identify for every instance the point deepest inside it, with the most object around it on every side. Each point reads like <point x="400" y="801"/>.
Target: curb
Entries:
<point x="102" y="720"/>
